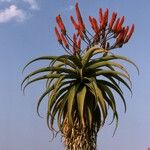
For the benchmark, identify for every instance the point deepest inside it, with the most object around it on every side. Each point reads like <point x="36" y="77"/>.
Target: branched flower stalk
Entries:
<point x="108" y="34"/>
<point x="80" y="85"/>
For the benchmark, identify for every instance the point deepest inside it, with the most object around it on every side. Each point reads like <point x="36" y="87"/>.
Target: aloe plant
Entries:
<point x="80" y="84"/>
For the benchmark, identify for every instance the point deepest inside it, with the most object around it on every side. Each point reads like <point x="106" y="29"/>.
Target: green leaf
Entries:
<point x="48" y="90"/>
<point x="57" y="92"/>
<point x="59" y="106"/>
<point x="80" y="102"/>
<point x="111" y="73"/>
<point x="111" y="99"/>
<point x="89" y="54"/>
<point x="116" y="89"/>
<point x="70" y="60"/>
<point x="62" y="111"/>
<point x="49" y="81"/>
<point x="113" y="57"/>
<point x="116" y="124"/>
<point x="107" y="63"/>
<point x="40" y="58"/>
<point x="99" y="98"/>
<point x="71" y="99"/>
<point x="101" y="101"/>
<point x="38" y="79"/>
<point x="48" y="69"/>
<point x="90" y="116"/>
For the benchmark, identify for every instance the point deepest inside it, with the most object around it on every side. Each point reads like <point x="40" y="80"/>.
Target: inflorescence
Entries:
<point x="108" y="33"/>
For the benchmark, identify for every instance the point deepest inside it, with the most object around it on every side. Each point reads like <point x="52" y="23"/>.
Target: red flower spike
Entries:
<point x="90" y="19"/>
<point x="116" y="25"/>
<point x="58" y="35"/>
<point x="104" y="31"/>
<point x="80" y="33"/>
<point x="79" y="17"/>
<point x="119" y="27"/>
<point x="74" y="43"/>
<point x="64" y="41"/>
<point x="82" y="36"/>
<point x="91" y="22"/>
<point x="58" y="21"/>
<point x="78" y="14"/>
<point x="129" y="34"/>
<point x="74" y="23"/>
<point x="82" y="27"/>
<point x="100" y="16"/>
<point x="61" y="24"/>
<point x="105" y="18"/>
<point x="95" y="25"/>
<point x="77" y="27"/>
<point x="122" y="20"/>
<point x="120" y="38"/>
<point x="113" y="18"/>
<point x="79" y="44"/>
<point x="74" y="39"/>
<point x="126" y="31"/>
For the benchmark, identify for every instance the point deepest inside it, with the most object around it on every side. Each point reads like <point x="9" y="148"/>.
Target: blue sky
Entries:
<point x="26" y="32"/>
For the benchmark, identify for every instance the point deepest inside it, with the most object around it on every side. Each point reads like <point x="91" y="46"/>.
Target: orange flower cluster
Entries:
<point x="108" y="33"/>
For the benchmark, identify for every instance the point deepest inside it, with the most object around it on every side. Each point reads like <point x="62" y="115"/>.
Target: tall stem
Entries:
<point x="77" y="137"/>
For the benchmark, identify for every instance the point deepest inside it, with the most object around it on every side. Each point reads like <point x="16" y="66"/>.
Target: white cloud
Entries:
<point x="33" y="4"/>
<point x="18" y="14"/>
<point x="12" y="13"/>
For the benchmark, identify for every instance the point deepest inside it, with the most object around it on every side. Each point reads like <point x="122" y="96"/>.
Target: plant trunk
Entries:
<point x="77" y="137"/>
